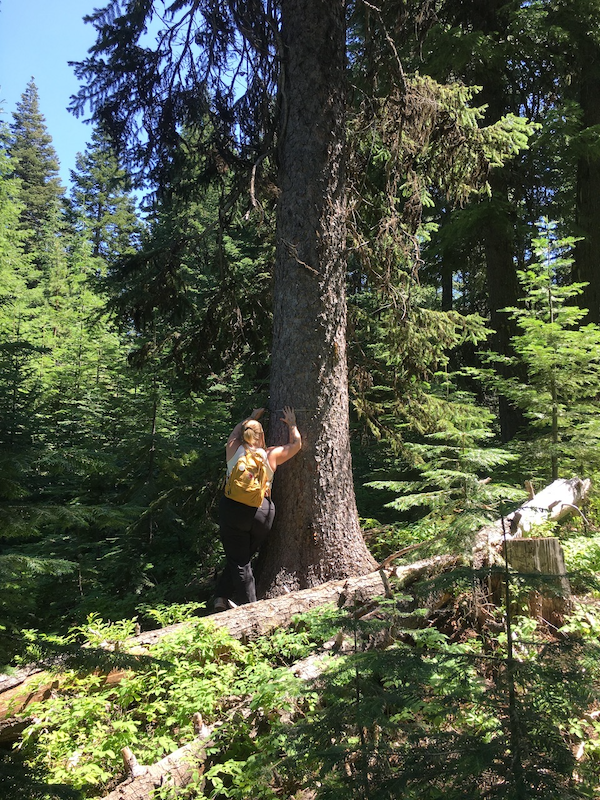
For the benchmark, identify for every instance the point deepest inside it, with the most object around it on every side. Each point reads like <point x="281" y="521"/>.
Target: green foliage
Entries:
<point x="109" y="464"/>
<point x="111" y="425"/>
<point x="560" y="356"/>
<point x="395" y="695"/>
<point x="21" y="783"/>
<point x="400" y="355"/>
<point x="582" y="558"/>
<point x="101" y="205"/>
<point x="35" y="164"/>
<point x="455" y="465"/>
<point x="386" y="718"/>
<point x="79" y="735"/>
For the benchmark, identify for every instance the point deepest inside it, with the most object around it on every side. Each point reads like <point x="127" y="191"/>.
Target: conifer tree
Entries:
<point x="21" y="323"/>
<point x="20" y="301"/>
<point x="560" y="355"/>
<point x="292" y="115"/>
<point x="101" y="202"/>
<point x="36" y="165"/>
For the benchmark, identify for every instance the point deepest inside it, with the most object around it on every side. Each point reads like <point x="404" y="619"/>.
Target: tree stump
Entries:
<point x="541" y="563"/>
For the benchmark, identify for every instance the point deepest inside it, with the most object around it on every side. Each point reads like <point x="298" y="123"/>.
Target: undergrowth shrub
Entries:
<point x="394" y="707"/>
<point x="77" y="736"/>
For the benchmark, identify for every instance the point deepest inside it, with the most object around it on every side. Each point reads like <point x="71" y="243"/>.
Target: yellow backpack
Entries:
<point x="248" y="482"/>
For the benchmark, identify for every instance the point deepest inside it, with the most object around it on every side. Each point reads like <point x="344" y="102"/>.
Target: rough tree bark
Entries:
<point x="317" y="535"/>
<point x="543" y="557"/>
<point x="587" y="250"/>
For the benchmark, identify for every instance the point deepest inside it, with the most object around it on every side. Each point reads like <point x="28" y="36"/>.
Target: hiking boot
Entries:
<point x="224" y="604"/>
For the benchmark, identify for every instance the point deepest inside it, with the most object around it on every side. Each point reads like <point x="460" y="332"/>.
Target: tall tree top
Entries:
<point x="35" y="161"/>
<point x="101" y="202"/>
<point x="210" y="66"/>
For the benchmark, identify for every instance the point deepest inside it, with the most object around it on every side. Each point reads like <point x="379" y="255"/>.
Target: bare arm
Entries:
<point x="234" y="440"/>
<point x="281" y="453"/>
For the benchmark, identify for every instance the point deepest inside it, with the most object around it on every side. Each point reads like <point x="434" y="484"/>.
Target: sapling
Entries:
<point x="561" y="359"/>
<point x="455" y="462"/>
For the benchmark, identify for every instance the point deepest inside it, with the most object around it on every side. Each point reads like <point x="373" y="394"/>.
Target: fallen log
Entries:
<point x="11" y="730"/>
<point x="178" y="768"/>
<point x="250" y="621"/>
<point x="18" y="677"/>
<point x="245" y="623"/>
<point x="256" y="619"/>
<point x="175" y="770"/>
<point x="259" y="618"/>
<point x="556" y="501"/>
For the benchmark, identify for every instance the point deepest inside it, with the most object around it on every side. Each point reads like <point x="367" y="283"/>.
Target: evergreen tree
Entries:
<point x="473" y="41"/>
<point x="21" y="351"/>
<point x="101" y="202"/>
<point x="575" y="37"/>
<point x="192" y="90"/>
<point x="35" y="163"/>
<point x="560" y="355"/>
<point x="17" y="384"/>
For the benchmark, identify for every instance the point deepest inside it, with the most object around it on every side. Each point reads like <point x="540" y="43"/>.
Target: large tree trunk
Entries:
<point x="490" y="18"/>
<point x="317" y="535"/>
<point x="498" y="229"/>
<point x="502" y="290"/>
<point x="587" y="250"/>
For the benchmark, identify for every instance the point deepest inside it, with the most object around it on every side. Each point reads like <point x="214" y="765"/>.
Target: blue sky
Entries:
<point x="37" y="39"/>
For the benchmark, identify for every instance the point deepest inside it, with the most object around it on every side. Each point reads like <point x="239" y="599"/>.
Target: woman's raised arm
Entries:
<point x="281" y="453"/>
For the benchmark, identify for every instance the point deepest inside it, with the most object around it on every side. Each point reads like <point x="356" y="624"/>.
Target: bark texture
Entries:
<point x="256" y="619"/>
<point x="175" y="770"/>
<point x="502" y="290"/>
<point x="587" y="250"/>
<point x="317" y="535"/>
<point x="530" y="557"/>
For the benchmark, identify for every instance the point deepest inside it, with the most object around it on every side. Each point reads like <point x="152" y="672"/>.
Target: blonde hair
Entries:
<point x="252" y="433"/>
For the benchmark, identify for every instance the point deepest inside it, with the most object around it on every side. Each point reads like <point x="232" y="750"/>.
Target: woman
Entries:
<point x="244" y="528"/>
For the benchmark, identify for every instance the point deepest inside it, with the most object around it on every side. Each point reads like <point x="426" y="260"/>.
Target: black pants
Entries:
<point x="243" y="529"/>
